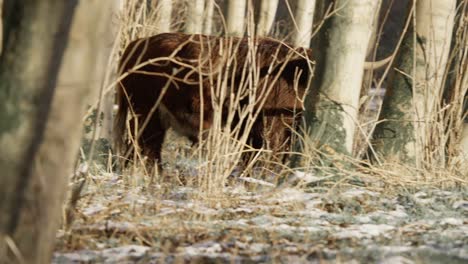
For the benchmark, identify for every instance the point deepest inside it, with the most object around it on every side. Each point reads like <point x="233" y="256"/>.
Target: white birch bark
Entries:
<point x="194" y="22"/>
<point x="208" y="20"/>
<point x="464" y="147"/>
<point x="236" y="18"/>
<point x="304" y="17"/>
<point x="434" y="27"/>
<point x="164" y="8"/>
<point x="337" y="107"/>
<point x="267" y="16"/>
<point x="416" y="88"/>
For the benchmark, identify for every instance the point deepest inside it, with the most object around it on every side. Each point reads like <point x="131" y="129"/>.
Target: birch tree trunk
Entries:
<point x="464" y="147"/>
<point x="236" y="18"/>
<point x="304" y="18"/>
<point x="415" y="88"/>
<point x="41" y="139"/>
<point x="164" y="8"/>
<point x="194" y="23"/>
<point x="208" y="21"/>
<point x="331" y="119"/>
<point x="267" y="16"/>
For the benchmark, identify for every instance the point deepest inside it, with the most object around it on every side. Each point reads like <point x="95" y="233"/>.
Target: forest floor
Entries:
<point x="126" y="220"/>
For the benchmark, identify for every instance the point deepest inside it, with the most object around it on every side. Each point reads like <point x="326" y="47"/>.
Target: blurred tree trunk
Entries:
<point x="208" y="20"/>
<point x="101" y="76"/>
<point x="1" y="26"/>
<point x="415" y="87"/>
<point x="267" y="17"/>
<point x="41" y="121"/>
<point x="331" y="118"/>
<point x="164" y="8"/>
<point x="236" y="18"/>
<point x="194" y="22"/>
<point x="304" y="18"/>
<point x="36" y="34"/>
<point x="83" y="75"/>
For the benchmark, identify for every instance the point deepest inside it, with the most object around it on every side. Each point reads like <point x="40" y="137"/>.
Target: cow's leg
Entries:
<point x="282" y="138"/>
<point x="151" y="140"/>
<point x="277" y="137"/>
<point x="255" y="141"/>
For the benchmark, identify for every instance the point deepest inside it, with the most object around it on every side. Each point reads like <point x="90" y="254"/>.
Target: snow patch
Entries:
<point x="364" y="231"/>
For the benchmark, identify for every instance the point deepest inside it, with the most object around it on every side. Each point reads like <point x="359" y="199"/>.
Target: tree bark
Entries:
<point x="164" y="8"/>
<point x="464" y="148"/>
<point x="35" y="39"/>
<point x="236" y="18"/>
<point x="267" y="17"/>
<point x="1" y="26"/>
<point x="40" y="136"/>
<point x="208" y="20"/>
<point x="415" y="88"/>
<point x="331" y="115"/>
<point x="304" y="18"/>
<point x="194" y="22"/>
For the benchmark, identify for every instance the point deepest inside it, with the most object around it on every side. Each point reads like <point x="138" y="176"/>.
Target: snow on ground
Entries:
<point x="284" y="224"/>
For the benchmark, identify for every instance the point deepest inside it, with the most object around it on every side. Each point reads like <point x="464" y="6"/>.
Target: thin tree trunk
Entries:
<point x="331" y="119"/>
<point x="43" y="115"/>
<point x="304" y="18"/>
<point x="164" y="8"/>
<point x="415" y="89"/>
<point x="236" y="18"/>
<point x="208" y="21"/>
<point x="194" y="23"/>
<point x="464" y="147"/>
<point x="267" y="16"/>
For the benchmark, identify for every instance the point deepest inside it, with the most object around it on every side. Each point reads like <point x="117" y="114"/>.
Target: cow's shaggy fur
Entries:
<point x="167" y="81"/>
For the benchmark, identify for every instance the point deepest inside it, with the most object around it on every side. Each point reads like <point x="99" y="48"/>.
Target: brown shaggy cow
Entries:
<point x="163" y="77"/>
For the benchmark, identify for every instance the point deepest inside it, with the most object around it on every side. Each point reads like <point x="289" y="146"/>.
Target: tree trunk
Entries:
<point x="464" y="147"/>
<point x="236" y="18"/>
<point x="164" y="8"/>
<point x="331" y="119"/>
<point x="208" y="20"/>
<point x="456" y="93"/>
<point x="304" y="18"/>
<point x="1" y="26"/>
<point x="100" y="77"/>
<point x="267" y="17"/>
<point x="194" y="22"/>
<point x="40" y="137"/>
<point x="415" y="88"/>
<point x="35" y="39"/>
